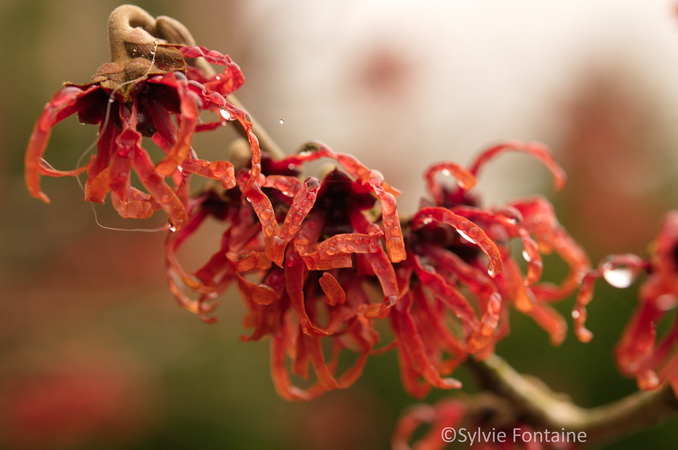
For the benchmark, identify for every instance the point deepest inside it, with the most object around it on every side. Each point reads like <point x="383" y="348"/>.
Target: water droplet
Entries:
<point x="576" y="314"/>
<point x="268" y="230"/>
<point x="527" y="256"/>
<point x="466" y="237"/>
<point x="281" y="121"/>
<point x="619" y="277"/>
<point x="172" y="228"/>
<point x="426" y="221"/>
<point x="180" y="169"/>
<point x="350" y="248"/>
<point x="225" y="114"/>
<point x="491" y="272"/>
<point x="218" y="77"/>
<point x="266" y="214"/>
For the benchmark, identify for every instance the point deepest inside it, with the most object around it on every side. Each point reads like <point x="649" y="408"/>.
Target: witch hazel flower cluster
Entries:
<point x="329" y="272"/>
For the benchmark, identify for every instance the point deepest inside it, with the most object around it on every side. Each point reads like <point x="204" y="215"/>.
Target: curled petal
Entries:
<point x="188" y="121"/>
<point x="465" y="179"/>
<point x="334" y="293"/>
<point x="258" y="293"/>
<point x="636" y="347"/>
<point x="301" y="205"/>
<point x="538" y="218"/>
<point x="281" y="378"/>
<point x="536" y="149"/>
<point x="62" y="105"/>
<point x="551" y="321"/>
<point x="514" y="229"/>
<point x="263" y="209"/>
<point x="386" y="275"/>
<point x="98" y="176"/>
<point x="335" y="252"/>
<point x="217" y="170"/>
<point x="287" y="185"/>
<point x="295" y="278"/>
<point x="215" y="99"/>
<point x="618" y="270"/>
<point x="211" y="56"/>
<point x="466" y="228"/>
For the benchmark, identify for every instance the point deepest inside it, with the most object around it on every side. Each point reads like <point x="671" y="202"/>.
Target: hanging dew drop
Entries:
<point x="172" y="228"/>
<point x="281" y="121"/>
<point x="619" y="277"/>
<point x="225" y="114"/>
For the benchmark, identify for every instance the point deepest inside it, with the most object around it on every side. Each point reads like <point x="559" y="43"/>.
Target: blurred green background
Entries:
<point x="95" y="354"/>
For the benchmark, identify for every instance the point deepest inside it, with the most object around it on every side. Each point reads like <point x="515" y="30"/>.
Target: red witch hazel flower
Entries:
<point x="156" y="72"/>
<point x="310" y="271"/>
<point x="640" y="353"/>
<point x="460" y="270"/>
<point x="318" y="259"/>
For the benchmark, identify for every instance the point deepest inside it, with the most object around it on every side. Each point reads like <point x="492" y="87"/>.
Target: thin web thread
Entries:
<point x="88" y="150"/>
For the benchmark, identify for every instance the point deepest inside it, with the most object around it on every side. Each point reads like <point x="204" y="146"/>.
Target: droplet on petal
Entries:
<point x="620" y="276"/>
<point x="466" y="237"/>
<point x="225" y="114"/>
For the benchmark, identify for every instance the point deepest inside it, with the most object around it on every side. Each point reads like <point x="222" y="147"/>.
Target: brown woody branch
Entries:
<point x="538" y="406"/>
